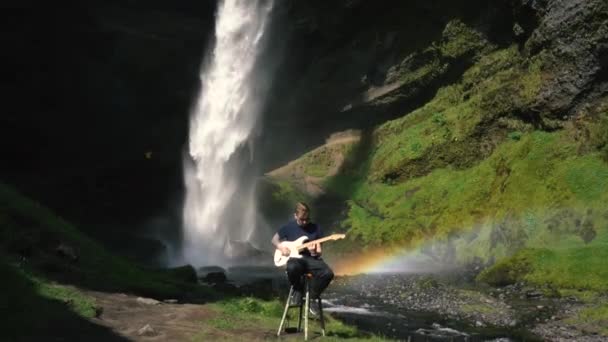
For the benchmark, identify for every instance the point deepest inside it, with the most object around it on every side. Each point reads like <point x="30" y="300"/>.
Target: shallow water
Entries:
<point x="372" y="314"/>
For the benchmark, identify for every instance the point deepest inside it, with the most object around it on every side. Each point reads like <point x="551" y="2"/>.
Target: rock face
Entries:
<point x="355" y="64"/>
<point x="98" y="103"/>
<point x="574" y="35"/>
<point x="100" y="93"/>
<point x="347" y="68"/>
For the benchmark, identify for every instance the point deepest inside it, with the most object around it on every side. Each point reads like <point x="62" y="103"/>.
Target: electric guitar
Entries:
<point x="297" y="245"/>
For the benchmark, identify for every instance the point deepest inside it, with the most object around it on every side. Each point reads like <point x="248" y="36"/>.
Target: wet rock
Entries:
<point x="66" y="251"/>
<point x="147" y="301"/>
<point x="534" y="294"/>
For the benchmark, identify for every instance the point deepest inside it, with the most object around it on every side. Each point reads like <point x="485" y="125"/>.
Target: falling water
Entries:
<point x="219" y="210"/>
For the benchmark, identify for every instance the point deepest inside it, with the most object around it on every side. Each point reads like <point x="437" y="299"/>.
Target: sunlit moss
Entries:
<point x="459" y="39"/>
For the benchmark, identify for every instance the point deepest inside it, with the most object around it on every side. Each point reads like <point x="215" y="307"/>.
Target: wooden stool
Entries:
<point x="304" y="306"/>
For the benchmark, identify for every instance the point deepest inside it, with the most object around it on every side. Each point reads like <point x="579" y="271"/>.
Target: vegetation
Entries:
<point x="44" y="243"/>
<point x="40" y="253"/>
<point x="243" y="316"/>
<point x="475" y="174"/>
<point x="36" y="302"/>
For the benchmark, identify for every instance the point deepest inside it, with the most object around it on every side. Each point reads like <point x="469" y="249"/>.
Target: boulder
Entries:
<point x="215" y="278"/>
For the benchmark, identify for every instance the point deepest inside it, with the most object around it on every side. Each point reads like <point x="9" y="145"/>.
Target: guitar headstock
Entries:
<point x="337" y="236"/>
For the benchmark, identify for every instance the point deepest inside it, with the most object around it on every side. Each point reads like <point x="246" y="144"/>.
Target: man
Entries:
<point x="311" y="258"/>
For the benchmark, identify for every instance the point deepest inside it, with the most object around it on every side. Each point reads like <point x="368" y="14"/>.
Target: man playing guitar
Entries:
<point x="311" y="261"/>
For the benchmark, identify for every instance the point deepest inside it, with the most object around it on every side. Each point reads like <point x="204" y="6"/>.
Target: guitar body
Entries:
<point x="280" y="259"/>
<point x="299" y="244"/>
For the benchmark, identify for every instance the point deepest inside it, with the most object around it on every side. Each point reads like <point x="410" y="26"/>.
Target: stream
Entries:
<point x="417" y="307"/>
<point x="376" y="304"/>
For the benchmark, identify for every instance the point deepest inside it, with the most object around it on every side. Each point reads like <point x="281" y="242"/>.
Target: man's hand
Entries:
<point x="277" y="243"/>
<point x="315" y="249"/>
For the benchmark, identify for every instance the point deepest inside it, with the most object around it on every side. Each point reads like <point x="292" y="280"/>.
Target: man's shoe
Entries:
<point x="296" y="298"/>
<point x="313" y="308"/>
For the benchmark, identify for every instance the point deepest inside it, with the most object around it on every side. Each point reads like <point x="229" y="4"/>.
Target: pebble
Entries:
<point x="147" y="330"/>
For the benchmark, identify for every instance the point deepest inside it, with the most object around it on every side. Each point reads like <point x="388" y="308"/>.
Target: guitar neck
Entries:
<point x="310" y="243"/>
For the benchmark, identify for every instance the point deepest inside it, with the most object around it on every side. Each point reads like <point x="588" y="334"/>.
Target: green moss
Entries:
<point x="461" y="124"/>
<point x="287" y="193"/>
<point x="587" y="178"/>
<point x="515" y="135"/>
<point x="534" y="170"/>
<point x="511" y="270"/>
<point x="573" y="268"/>
<point x="459" y="39"/>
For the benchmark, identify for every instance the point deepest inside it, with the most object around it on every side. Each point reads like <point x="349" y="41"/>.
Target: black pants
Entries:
<point x="321" y="274"/>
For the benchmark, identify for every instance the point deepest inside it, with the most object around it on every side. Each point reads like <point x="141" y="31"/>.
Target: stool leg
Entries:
<point x="306" y="307"/>
<point x="285" y="312"/>
<point x="321" y="316"/>
<point x="300" y="317"/>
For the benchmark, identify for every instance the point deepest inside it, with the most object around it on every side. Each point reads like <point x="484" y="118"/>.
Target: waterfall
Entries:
<point x="219" y="209"/>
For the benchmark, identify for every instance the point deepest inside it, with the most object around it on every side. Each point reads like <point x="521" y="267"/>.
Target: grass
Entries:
<point x="78" y="302"/>
<point x="249" y="318"/>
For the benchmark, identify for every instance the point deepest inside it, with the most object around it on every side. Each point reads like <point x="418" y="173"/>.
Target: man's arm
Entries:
<point x="276" y="242"/>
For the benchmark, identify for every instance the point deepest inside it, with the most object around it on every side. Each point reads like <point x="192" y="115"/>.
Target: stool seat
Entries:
<point x="304" y="307"/>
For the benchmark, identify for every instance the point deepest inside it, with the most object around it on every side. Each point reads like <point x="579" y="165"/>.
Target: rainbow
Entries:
<point x="374" y="261"/>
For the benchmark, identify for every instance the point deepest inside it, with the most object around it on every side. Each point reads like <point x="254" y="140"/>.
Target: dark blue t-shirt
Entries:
<point x="292" y="231"/>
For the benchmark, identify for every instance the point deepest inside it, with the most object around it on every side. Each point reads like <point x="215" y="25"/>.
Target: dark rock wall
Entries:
<point x="337" y="50"/>
<point x="574" y="35"/>
<point x="97" y="101"/>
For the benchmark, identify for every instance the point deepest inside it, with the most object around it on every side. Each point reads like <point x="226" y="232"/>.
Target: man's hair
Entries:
<point x="302" y="209"/>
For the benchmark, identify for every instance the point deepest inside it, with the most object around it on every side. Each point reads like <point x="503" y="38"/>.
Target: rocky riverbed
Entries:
<point x="450" y="307"/>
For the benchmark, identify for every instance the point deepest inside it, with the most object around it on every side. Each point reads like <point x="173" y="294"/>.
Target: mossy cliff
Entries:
<point x="41" y="253"/>
<point x="507" y="164"/>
